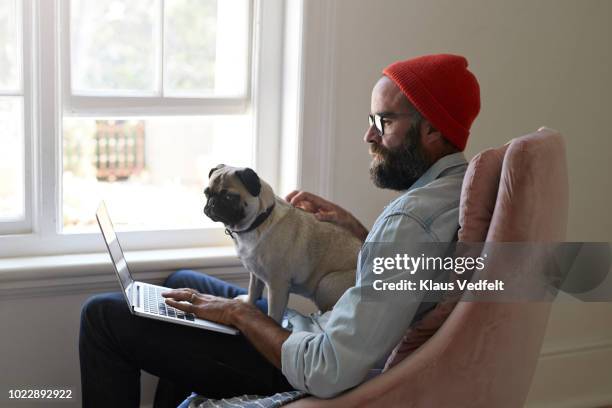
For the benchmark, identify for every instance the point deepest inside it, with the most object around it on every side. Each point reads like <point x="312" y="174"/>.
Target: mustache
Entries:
<point x="379" y="149"/>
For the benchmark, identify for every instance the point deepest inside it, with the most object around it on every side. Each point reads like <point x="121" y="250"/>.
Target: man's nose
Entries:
<point x="371" y="135"/>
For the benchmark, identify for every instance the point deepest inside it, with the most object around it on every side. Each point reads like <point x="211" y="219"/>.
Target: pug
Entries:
<point x="283" y="247"/>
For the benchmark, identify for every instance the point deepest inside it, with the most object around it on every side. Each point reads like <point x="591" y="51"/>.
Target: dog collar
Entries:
<point x="258" y="221"/>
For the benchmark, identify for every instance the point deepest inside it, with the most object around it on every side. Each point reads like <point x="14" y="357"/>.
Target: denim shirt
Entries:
<point x="332" y="352"/>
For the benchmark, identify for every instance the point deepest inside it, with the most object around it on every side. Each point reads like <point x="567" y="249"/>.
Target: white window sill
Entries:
<point x="56" y="274"/>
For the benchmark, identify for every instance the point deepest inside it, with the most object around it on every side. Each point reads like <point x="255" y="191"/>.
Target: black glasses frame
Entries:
<point x="378" y="120"/>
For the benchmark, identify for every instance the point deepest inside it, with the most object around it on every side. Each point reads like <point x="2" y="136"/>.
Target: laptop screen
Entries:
<point x="114" y="249"/>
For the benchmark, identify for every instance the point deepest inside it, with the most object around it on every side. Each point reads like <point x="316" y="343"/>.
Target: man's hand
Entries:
<point x="208" y="307"/>
<point x="327" y="211"/>
<point x="263" y="332"/>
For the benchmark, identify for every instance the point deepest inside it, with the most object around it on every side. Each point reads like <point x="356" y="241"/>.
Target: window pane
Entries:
<point x="190" y="48"/>
<point x="151" y="171"/>
<point x="11" y="158"/>
<point x="115" y="46"/>
<point x="206" y="47"/>
<point x="10" y="45"/>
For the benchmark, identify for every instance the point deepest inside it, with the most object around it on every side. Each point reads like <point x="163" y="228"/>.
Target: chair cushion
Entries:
<point x="478" y="194"/>
<point x="537" y="163"/>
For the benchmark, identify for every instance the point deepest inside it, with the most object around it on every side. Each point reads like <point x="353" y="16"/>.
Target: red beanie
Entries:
<point x="443" y="90"/>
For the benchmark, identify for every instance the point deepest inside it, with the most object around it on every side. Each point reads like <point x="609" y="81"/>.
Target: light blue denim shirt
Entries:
<point x="332" y="352"/>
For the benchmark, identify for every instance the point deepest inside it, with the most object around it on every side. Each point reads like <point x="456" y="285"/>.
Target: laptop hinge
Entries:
<point x="130" y="292"/>
<point x="136" y="295"/>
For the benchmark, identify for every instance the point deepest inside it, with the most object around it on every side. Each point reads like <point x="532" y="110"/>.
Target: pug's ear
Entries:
<point x="219" y="166"/>
<point x="250" y="179"/>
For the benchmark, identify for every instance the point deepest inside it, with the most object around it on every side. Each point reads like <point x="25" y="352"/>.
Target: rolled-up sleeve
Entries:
<point x="359" y="332"/>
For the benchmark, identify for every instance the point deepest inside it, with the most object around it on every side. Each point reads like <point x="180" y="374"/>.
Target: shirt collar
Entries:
<point x="441" y="166"/>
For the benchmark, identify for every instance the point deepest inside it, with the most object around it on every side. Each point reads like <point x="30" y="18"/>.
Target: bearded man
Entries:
<point x="419" y="122"/>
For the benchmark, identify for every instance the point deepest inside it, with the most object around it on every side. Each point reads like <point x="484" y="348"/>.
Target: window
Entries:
<point x="137" y="100"/>
<point x="14" y="108"/>
<point x="156" y="56"/>
<point x="150" y="171"/>
<point x="146" y="57"/>
<point x="11" y="113"/>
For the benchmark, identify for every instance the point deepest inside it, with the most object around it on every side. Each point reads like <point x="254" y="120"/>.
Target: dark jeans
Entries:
<point x="115" y="345"/>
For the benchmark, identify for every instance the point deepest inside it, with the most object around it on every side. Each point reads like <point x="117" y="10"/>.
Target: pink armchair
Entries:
<point x="476" y="354"/>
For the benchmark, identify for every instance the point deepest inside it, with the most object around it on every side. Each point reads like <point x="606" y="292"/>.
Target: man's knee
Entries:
<point x="89" y="312"/>
<point x="181" y="279"/>
<point x="203" y="283"/>
<point x="96" y="307"/>
<point x="92" y="306"/>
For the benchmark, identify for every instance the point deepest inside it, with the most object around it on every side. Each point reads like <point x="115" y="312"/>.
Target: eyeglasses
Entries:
<point x="378" y="120"/>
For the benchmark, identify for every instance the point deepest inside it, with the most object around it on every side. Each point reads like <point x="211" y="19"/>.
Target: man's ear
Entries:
<point x="434" y="143"/>
<point x="429" y="134"/>
<point x="427" y="128"/>
<point x="250" y="179"/>
<point x="219" y="166"/>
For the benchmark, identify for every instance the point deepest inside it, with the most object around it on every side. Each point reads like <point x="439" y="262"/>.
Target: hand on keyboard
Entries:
<point x="155" y="303"/>
<point x="209" y="307"/>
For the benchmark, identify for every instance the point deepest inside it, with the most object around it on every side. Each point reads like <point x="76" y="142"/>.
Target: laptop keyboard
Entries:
<point x="154" y="302"/>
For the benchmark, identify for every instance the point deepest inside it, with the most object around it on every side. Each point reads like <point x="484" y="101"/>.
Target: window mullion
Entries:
<point x="266" y="91"/>
<point x="162" y="48"/>
<point x="23" y="17"/>
<point x="49" y="148"/>
<point x="27" y="76"/>
<point x="10" y="93"/>
<point x="154" y="106"/>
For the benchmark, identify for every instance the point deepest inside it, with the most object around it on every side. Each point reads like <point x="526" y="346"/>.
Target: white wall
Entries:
<point x="39" y="339"/>
<point x="545" y="62"/>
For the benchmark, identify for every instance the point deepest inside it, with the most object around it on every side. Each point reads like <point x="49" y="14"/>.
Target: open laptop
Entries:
<point x="145" y="299"/>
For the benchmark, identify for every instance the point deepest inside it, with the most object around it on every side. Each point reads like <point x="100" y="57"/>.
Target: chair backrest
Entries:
<point x="485" y="354"/>
<point x="478" y="196"/>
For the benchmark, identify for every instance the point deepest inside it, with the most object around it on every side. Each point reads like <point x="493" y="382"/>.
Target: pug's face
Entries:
<point x="235" y="196"/>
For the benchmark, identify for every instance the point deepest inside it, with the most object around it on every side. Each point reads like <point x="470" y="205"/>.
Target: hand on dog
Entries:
<point x="327" y="211"/>
<point x="209" y="307"/>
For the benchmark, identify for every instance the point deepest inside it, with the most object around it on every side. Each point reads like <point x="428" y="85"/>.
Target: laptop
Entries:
<point x="144" y="299"/>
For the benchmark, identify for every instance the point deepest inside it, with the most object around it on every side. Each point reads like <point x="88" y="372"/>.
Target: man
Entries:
<point x="421" y="113"/>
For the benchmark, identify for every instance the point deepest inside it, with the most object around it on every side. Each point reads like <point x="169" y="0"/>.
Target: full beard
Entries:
<point x="400" y="168"/>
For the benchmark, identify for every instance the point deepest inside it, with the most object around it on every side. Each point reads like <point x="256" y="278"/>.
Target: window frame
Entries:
<point x="44" y="235"/>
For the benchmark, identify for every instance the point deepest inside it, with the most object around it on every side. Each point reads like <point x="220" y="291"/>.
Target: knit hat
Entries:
<point x="443" y="90"/>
